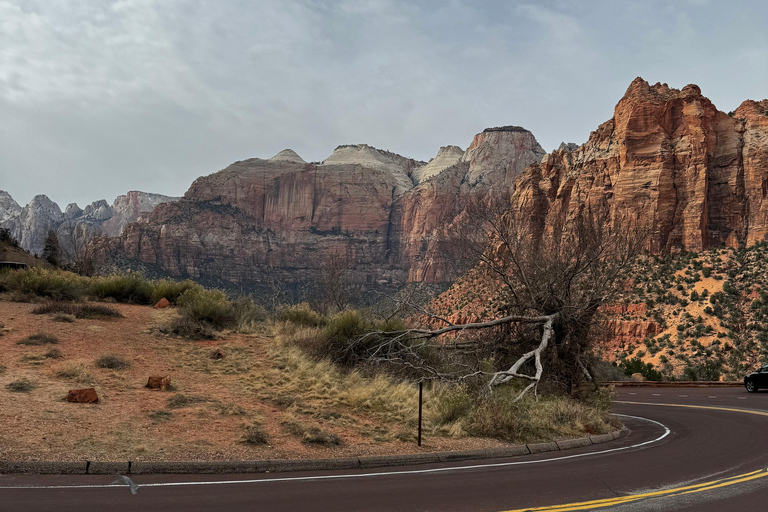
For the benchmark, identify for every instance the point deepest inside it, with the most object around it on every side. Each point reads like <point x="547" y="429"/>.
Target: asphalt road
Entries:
<point x="711" y="457"/>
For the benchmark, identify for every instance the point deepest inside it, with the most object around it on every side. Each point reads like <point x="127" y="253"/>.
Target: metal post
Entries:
<point x="421" y="388"/>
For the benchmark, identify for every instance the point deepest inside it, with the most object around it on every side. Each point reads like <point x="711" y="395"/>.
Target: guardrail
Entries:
<point x="673" y="384"/>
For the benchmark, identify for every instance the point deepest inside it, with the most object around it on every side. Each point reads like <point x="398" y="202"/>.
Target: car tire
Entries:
<point x="751" y="387"/>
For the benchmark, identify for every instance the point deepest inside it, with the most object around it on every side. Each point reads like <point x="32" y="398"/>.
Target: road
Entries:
<point x="689" y="449"/>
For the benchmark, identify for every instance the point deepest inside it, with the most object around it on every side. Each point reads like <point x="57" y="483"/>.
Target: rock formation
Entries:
<point x="260" y="222"/>
<point x="668" y="161"/>
<point x="30" y="224"/>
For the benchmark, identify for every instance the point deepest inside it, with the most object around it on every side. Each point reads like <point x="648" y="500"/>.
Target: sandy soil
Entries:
<point x="125" y="424"/>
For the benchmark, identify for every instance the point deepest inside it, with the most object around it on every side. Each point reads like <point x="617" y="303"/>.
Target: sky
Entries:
<point x="101" y="97"/>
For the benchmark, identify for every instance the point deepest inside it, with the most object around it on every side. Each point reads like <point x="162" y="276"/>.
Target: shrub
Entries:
<point x="188" y="327"/>
<point x="20" y="386"/>
<point x="247" y="313"/>
<point x="300" y="314"/>
<point x="210" y="306"/>
<point x="112" y="362"/>
<point x="54" y="353"/>
<point x="128" y="288"/>
<point x="171" y="289"/>
<point x="39" y="339"/>
<point x="55" y="284"/>
<point x="160" y="416"/>
<point x="63" y="317"/>
<point x="255" y="435"/>
<point x="453" y="403"/>
<point x="2" y="369"/>
<point x="77" y="310"/>
<point x="316" y="436"/>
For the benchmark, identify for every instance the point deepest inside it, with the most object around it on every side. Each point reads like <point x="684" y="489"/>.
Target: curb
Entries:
<point x="280" y="466"/>
<point x="673" y="384"/>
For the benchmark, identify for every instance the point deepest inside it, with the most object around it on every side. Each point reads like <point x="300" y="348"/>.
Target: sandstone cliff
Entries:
<point x="260" y="222"/>
<point x="668" y="160"/>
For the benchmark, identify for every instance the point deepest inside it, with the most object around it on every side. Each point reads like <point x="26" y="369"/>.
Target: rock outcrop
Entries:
<point x="667" y="161"/>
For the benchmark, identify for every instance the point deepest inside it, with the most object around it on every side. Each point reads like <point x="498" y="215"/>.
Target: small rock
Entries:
<point x="218" y="354"/>
<point x="162" y="304"/>
<point x="158" y="382"/>
<point x="83" y="396"/>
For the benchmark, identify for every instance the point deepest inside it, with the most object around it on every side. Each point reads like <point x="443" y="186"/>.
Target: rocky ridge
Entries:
<point x="30" y="224"/>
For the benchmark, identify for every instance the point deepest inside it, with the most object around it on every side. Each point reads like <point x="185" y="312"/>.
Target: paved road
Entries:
<point x="676" y="458"/>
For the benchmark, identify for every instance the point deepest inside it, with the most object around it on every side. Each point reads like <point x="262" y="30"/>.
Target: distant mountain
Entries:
<point x="30" y="224"/>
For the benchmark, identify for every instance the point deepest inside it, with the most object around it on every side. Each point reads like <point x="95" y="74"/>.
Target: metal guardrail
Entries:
<point x="673" y="384"/>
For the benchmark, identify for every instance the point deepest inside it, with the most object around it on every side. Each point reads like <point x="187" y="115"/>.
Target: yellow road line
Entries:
<point x="688" y="489"/>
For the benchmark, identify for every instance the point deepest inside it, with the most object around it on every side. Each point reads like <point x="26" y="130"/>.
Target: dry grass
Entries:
<point x="20" y="386"/>
<point x="38" y="339"/>
<point x="76" y="371"/>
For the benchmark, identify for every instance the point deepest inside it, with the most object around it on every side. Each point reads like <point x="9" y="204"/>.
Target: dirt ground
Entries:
<point x="131" y="422"/>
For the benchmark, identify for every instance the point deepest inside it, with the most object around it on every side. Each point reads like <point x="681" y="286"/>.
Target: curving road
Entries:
<point x="689" y="449"/>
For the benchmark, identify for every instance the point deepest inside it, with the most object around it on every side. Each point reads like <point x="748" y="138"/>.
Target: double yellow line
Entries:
<point x="677" y="491"/>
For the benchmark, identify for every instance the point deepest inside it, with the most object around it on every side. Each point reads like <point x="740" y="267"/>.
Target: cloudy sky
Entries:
<point x="101" y="97"/>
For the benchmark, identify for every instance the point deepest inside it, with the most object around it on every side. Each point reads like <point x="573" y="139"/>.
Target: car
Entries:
<point x="757" y="379"/>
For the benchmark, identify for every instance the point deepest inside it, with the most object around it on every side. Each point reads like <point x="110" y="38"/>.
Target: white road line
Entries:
<point x="667" y="431"/>
<point x="633" y="393"/>
<point x="741" y="397"/>
<point x="710" y="396"/>
<point x="656" y="394"/>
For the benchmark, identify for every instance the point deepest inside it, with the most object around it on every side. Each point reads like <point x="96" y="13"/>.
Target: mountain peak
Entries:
<point x="287" y="155"/>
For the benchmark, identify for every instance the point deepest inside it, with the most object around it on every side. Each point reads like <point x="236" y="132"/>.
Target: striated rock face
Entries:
<point x="259" y="221"/>
<point x="446" y="157"/>
<point x="30" y="225"/>
<point x="499" y="155"/>
<point x="667" y="160"/>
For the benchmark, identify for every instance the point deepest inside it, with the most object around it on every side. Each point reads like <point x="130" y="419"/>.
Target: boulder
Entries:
<point x="158" y="382"/>
<point x="218" y="354"/>
<point x="162" y="303"/>
<point x="83" y="396"/>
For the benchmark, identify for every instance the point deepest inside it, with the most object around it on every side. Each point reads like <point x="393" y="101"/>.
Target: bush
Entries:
<point x="171" y="289"/>
<point x="210" y="306"/>
<point x="452" y="404"/>
<point x="187" y="327"/>
<point x="247" y="313"/>
<point x="255" y="435"/>
<point x="20" y="386"/>
<point x="112" y="362"/>
<point x="54" y="353"/>
<point x="127" y="288"/>
<point x="55" y="284"/>
<point x="160" y="416"/>
<point x="316" y="436"/>
<point x="300" y="314"/>
<point x="39" y="339"/>
<point x="89" y="311"/>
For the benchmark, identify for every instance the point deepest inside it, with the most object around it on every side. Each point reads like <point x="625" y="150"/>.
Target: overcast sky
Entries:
<point x="98" y="98"/>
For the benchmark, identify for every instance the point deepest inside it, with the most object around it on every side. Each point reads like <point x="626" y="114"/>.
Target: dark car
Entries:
<point x="757" y="380"/>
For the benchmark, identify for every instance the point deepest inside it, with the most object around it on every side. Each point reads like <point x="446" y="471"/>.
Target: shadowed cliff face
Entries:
<point x="260" y="221"/>
<point x="668" y="160"/>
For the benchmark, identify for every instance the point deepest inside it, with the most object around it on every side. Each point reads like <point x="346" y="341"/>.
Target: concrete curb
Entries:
<point x="280" y="466"/>
<point x="673" y="384"/>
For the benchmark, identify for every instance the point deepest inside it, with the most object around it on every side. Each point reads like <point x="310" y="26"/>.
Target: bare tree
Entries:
<point x="75" y="238"/>
<point x="333" y="282"/>
<point x="546" y="284"/>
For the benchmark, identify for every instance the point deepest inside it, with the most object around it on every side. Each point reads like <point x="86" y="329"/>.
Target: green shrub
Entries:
<point x="77" y="310"/>
<point x="170" y="289"/>
<point x="54" y="353"/>
<point x="112" y="362"/>
<point x="39" y="339"/>
<point x="300" y="314"/>
<point x="188" y="327"/>
<point x="247" y="313"/>
<point x="39" y="282"/>
<point x="20" y="386"/>
<point x="127" y="288"/>
<point x="210" y="306"/>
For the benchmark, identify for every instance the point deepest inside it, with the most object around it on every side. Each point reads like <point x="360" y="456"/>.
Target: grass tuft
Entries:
<point x="20" y="386"/>
<point x="179" y="401"/>
<point x="77" y="371"/>
<point x="39" y="339"/>
<point x="161" y="416"/>
<point x="112" y="362"/>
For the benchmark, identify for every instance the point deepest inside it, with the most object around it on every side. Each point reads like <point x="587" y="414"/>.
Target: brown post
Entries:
<point x="421" y="387"/>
